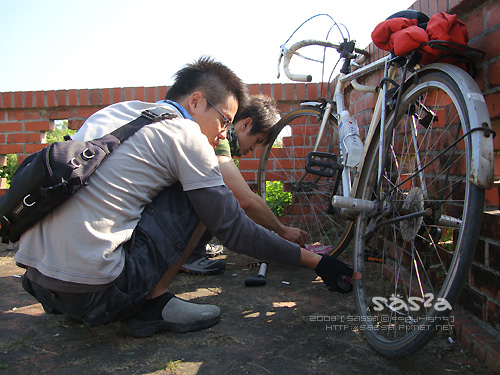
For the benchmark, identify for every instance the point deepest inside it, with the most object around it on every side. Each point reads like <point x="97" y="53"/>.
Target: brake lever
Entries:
<point x="283" y="50"/>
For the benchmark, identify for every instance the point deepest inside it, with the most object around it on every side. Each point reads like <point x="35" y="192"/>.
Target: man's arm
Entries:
<point x="253" y="205"/>
<point x="218" y="209"/>
<point x="220" y="212"/>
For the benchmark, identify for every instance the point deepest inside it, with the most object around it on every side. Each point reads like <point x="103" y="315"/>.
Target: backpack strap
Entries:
<point x="147" y="117"/>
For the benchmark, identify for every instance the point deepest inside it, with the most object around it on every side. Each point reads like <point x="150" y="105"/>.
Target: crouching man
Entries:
<point x="110" y="252"/>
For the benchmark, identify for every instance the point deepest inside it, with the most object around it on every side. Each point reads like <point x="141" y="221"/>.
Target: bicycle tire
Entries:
<point x="328" y="233"/>
<point x="417" y="259"/>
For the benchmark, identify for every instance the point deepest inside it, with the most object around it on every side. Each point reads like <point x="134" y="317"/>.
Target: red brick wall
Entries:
<point x="26" y="116"/>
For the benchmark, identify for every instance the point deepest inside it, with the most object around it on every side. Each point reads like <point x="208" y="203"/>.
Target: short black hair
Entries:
<point x="212" y="78"/>
<point x="264" y="114"/>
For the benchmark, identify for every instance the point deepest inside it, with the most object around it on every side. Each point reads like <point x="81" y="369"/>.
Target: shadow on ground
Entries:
<point x="264" y="330"/>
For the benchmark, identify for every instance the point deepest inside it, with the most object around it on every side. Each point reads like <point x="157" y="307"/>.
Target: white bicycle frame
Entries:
<point x="482" y="146"/>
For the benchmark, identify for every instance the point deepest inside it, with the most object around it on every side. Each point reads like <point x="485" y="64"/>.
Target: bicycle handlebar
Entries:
<point x="288" y="53"/>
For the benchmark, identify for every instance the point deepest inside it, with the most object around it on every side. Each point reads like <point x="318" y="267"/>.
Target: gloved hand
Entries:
<point x="332" y="270"/>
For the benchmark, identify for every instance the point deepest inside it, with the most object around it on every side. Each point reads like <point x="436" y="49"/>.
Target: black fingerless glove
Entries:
<point x="331" y="270"/>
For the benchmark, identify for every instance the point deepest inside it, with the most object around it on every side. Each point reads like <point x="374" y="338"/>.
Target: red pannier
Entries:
<point x="410" y="30"/>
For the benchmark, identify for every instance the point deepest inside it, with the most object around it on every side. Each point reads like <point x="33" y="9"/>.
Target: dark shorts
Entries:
<point x="158" y="241"/>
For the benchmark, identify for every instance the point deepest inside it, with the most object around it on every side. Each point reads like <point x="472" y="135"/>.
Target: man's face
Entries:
<point x="212" y="123"/>
<point x="248" y="142"/>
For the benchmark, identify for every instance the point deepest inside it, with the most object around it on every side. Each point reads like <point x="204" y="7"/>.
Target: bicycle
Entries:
<point x="413" y="204"/>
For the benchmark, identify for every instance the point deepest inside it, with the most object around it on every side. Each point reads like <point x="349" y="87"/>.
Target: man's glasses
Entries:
<point x="226" y="123"/>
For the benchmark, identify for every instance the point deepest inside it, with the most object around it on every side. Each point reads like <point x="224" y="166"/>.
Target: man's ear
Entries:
<point x="194" y="101"/>
<point x="247" y="124"/>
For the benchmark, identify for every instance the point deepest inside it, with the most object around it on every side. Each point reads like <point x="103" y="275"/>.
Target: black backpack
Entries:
<point x="50" y="176"/>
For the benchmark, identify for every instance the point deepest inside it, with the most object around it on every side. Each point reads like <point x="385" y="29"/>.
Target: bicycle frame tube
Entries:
<point x="379" y="113"/>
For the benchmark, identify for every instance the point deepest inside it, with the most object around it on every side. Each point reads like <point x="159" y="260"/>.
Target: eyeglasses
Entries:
<point x="226" y="123"/>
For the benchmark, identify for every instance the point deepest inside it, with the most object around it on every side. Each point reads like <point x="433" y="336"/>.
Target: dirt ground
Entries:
<point x="264" y="330"/>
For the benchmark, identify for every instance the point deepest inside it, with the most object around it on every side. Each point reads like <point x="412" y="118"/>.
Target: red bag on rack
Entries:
<point x="403" y="35"/>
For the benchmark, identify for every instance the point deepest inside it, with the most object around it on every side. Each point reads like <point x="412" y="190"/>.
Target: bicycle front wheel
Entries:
<point x="304" y="203"/>
<point x="416" y="253"/>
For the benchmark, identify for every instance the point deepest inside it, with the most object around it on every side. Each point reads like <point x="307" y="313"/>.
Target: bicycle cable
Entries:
<point x="323" y="61"/>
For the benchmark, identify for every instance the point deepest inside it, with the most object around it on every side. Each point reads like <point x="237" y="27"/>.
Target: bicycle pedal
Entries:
<point x="321" y="164"/>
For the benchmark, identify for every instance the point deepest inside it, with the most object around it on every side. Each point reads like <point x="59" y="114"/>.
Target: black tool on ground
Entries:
<point x="260" y="280"/>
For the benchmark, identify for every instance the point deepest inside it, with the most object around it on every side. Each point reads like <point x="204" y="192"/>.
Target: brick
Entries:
<point x="7" y="100"/>
<point x="40" y="98"/>
<point x="493" y="358"/>
<point x="83" y="96"/>
<point x="11" y="127"/>
<point x="249" y="176"/>
<point x="128" y="93"/>
<point x="51" y="98"/>
<point x="475" y="24"/>
<point x="29" y="99"/>
<point x="452" y="4"/>
<point x="423" y="6"/>
<point x="151" y="95"/>
<point x="24" y="137"/>
<point x="494" y="74"/>
<point x="442" y="5"/>
<point x="493" y="104"/>
<point x="311" y="91"/>
<point x="30" y="148"/>
<point x="11" y="149"/>
<point x="85" y="112"/>
<point x="486" y="281"/>
<point x="278" y="91"/>
<point x="300" y="91"/>
<point x="20" y="158"/>
<point x="105" y="97"/>
<point x="2" y="158"/>
<point x="289" y="89"/>
<point x="473" y="302"/>
<point x="493" y="318"/>
<point x="72" y="97"/>
<point x="254" y="89"/>
<point x="95" y="97"/>
<point x="467" y="335"/>
<point x="492" y="14"/>
<point x="56" y="114"/>
<point x="489" y="226"/>
<point x="480" y="344"/>
<point x="491" y="199"/>
<point x="494" y="257"/>
<point x="480" y="253"/>
<point x="140" y="93"/>
<point x="488" y="44"/>
<point x="46" y="126"/>
<point x="248" y="164"/>
<point x="18" y="100"/>
<point x="75" y="124"/>
<point x="266" y="89"/>
<point x="117" y="94"/>
<point x="162" y="90"/>
<point x="23" y="114"/>
<point x="61" y="96"/>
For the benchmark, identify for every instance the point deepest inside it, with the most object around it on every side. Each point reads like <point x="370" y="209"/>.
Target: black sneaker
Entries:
<point x="204" y="266"/>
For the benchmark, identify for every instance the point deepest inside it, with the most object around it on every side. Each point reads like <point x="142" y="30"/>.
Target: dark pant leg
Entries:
<point x="158" y="242"/>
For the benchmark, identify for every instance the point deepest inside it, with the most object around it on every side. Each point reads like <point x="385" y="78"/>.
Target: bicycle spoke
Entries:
<point x="310" y="196"/>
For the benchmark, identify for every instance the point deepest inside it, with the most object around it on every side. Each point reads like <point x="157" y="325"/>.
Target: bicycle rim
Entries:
<point x="414" y="268"/>
<point x="281" y="165"/>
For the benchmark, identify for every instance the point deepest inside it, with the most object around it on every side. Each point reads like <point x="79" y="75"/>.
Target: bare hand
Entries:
<point x="295" y="235"/>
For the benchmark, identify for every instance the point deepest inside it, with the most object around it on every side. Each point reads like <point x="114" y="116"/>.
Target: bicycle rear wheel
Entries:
<point x="414" y="268"/>
<point x="281" y="165"/>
